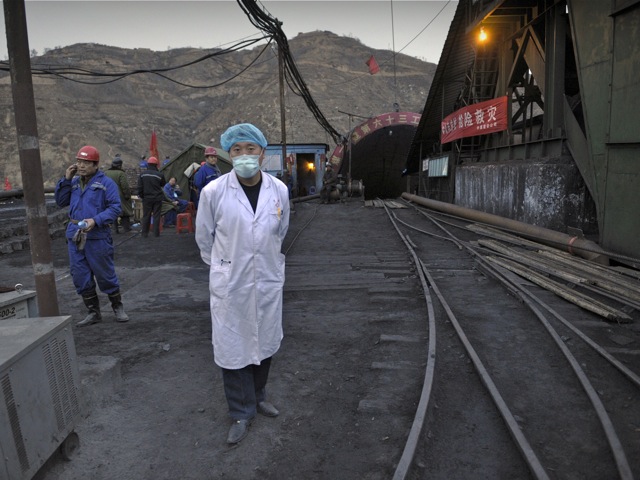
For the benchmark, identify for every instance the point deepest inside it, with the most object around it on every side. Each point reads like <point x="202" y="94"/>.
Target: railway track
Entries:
<point x="364" y="328"/>
<point x="561" y="404"/>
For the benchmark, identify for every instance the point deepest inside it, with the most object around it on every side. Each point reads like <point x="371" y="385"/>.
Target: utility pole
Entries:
<point x="283" y="128"/>
<point x="351" y="115"/>
<point x="396" y="105"/>
<point x="29" y="150"/>
<point x="350" y="135"/>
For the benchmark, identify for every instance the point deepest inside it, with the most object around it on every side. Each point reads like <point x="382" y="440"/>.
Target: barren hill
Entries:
<point x="197" y="103"/>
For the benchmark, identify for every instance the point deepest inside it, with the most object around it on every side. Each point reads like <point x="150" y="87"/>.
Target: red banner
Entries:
<point x="477" y="119"/>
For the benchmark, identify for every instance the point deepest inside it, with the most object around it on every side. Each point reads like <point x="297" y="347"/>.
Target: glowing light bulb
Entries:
<point x="482" y="36"/>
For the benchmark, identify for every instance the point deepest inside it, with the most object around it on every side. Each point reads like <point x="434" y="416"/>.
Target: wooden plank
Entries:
<point x="572" y="296"/>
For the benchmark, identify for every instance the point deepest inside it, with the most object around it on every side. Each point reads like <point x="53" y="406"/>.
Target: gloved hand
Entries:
<point x="80" y="238"/>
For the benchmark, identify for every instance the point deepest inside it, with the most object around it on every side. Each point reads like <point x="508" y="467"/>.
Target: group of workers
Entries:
<point x="160" y="198"/>
<point x="242" y="219"/>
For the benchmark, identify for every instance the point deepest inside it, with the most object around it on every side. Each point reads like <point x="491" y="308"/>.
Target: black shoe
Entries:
<point x="267" y="409"/>
<point x="239" y="429"/>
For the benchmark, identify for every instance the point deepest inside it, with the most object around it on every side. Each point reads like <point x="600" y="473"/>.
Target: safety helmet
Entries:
<point x="88" y="153"/>
<point x="210" y="151"/>
<point x="152" y="161"/>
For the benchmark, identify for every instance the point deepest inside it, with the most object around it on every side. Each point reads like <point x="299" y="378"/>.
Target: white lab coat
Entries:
<point x="246" y="275"/>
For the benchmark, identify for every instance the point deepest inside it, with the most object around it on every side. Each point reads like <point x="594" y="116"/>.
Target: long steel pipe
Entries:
<point x="19" y="193"/>
<point x="305" y="199"/>
<point x="572" y="244"/>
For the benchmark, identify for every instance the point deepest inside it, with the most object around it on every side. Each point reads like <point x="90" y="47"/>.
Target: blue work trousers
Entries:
<point x="93" y="264"/>
<point x="245" y="388"/>
<point x="182" y="205"/>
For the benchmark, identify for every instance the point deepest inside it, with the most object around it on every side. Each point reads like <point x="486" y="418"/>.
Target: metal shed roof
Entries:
<point x="455" y="62"/>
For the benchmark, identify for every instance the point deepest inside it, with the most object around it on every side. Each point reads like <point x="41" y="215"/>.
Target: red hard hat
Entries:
<point x="210" y="151"/>
<point x="152" y="161"/>
<point x="88" y="153"/>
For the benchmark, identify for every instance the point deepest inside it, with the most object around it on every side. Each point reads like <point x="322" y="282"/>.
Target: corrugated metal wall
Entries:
<point x="606" y="36"/>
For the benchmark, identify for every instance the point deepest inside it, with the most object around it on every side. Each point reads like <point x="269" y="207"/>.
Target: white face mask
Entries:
<point x="246" y="166"/>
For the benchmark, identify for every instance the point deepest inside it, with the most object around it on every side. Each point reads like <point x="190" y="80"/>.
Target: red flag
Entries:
<point x="373" y="65"/>
<point x="153" y="147"/>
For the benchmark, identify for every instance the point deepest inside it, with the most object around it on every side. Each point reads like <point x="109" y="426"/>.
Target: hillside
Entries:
<point x="120" y="116"/>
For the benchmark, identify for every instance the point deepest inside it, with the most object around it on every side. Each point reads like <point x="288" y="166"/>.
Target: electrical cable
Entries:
<point x="64" y="71"/>
<point x="271" y="26"/>
<point x="157" y="72"/>
<point x="382" y="64"/>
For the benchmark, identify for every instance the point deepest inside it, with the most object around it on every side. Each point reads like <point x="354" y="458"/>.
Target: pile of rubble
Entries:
<point x="14" y="233"/>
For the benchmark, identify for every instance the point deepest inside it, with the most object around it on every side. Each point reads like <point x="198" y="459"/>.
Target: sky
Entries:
<point x="413" y="27"/>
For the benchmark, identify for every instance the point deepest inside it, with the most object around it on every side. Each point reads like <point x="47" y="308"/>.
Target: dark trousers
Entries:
<point x="245" y="388"/>
<point x="325" y="191"/>
<point x="151" y="207"/>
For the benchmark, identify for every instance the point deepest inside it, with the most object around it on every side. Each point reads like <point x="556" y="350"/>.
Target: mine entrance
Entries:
<point x="306" y="169"/>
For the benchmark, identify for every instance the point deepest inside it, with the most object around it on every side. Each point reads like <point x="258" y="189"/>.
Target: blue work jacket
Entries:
<point x="204" y="175"/>
<point x="172" y="193"/>
<point x="99" y="200"/>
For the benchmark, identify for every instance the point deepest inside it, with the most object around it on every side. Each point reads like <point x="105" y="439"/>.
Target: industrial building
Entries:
<point x="533" y="115"/>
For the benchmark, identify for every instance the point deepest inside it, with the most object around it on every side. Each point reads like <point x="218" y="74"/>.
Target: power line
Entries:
<point x="65" y="71"/>
<point x="358" y="77"/>
<point x="426" y="26"/>
<point x="262" y="20"/>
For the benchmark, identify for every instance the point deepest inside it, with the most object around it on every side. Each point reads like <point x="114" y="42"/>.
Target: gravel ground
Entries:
<point x="346" y="395"/>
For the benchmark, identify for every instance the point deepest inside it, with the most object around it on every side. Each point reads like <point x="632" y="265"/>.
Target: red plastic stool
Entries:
<point x="191" y="208"/>
<point x="184" y="223"/>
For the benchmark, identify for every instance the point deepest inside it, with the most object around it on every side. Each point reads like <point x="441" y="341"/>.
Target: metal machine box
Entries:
<point x="39" y="390"/>
<point x="18" y="304"/>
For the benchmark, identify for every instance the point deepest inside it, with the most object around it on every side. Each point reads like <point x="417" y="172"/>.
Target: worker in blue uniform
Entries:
<point x="174" y="204"/>
<point x="94" y="205"/>
<point x="209" y="170"/>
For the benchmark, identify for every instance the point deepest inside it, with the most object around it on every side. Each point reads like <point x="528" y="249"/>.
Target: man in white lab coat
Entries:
<point x="242" y="219"/>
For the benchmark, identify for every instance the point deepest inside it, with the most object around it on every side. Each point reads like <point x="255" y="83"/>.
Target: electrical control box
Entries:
<point x="39" y="392"/>
<point x="18" y="304"/>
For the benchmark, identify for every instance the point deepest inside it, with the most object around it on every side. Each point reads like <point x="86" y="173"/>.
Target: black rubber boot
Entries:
<point x="118" y="307"/>
<point x="92" y="302"/>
